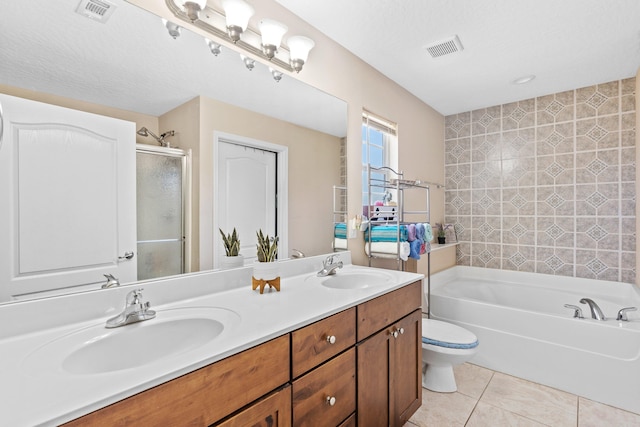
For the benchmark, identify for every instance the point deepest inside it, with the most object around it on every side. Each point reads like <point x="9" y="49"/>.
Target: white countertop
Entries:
<point x="51" y="396"/>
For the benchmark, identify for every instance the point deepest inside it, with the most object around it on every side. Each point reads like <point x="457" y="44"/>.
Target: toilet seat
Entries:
<point x="448" y="335"/>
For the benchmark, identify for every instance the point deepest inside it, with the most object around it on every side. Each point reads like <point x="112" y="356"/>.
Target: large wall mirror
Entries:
<point x="130" y="64"/>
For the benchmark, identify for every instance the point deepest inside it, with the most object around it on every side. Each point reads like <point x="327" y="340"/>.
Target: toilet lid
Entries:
<point x="448" y="335"/>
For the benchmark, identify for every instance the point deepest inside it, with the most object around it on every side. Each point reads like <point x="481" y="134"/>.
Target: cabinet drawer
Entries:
<point x="382" y="311"/>
<point x="349" y="422"/>
<point x="311" y="392"/>
<point x="204" y="396"/>
<point x="320" y="341"/>
<point x="272" y="411"/>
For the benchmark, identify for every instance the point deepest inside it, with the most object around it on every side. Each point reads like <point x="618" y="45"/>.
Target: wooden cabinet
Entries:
<point x="360" y="366"/>
<point x="272" y="411"/>
<point x="205" y="396"/>
<point x="389" y="361"/>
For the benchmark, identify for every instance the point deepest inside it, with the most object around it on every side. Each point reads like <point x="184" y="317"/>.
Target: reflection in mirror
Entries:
<point x="129" y="67"/>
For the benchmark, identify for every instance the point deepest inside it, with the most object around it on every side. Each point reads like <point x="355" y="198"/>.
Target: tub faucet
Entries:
<point x="622" y="314"/>
<point x="577" y="312"/>
<point x="329" y="266"/>
<point x="135" y="310"/>
<point x="596" y="313"/>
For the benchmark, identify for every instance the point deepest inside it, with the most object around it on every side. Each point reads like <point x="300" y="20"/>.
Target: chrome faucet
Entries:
<point x="295" y="253"/>
<point x="111" y="281"/>
<point x="622" y="313"/>
<point x="329" y="266"/>
<point x="596" y="313"/>
<point x="577" y="312"/>
<point x="135" y="310"/>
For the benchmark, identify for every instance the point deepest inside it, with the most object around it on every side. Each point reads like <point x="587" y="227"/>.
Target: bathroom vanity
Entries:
<point x="337" y="351"/>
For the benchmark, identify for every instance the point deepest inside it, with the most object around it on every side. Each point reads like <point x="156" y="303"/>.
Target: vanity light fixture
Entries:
<point x="174" y="29"/>
<point x="232" y="25"/>
<point x="272" y="33"/>
<point x="277" y="75"/>
<point x="299" y="47"/>
<point x="214" y="47"/>
<point x="248" y="62"/>
<point x="191" y="7"/>
<point x="237" y="14"/>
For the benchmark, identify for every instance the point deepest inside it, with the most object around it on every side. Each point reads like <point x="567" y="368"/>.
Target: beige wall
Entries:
<point x="314" y="167"/>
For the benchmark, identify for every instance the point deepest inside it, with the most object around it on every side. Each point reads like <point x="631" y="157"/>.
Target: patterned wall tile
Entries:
<point x="457" y="151"/>
<point x="519" y="258"/>
<point x="457" y="126"/>
<point x="519" y="201"/>
<point x="485" y="120"/>
<point x="518" y="115"/>
<point x="599" y="100"/>
<point x="519" y="172"/>
<point x="518" y="143"/>
<point x="485" y="147"/>
<point x="555" y="231"/>
<point x="600" y="133"/>
<point x="554" y="139"/>
<point x="547" y="184"/>
<point x="559" y="107"/>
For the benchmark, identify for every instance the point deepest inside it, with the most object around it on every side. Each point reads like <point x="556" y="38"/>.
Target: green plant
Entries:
<point x="267" y="247"/>
<point x="231" y="242"/>
<point x="441" y="229"/>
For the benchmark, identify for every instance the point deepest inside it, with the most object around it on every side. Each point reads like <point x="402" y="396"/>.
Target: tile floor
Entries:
<point x="491" y="399"/>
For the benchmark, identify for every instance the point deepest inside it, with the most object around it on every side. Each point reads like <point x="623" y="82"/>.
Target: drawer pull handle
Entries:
<point x="331" y="339"/>
<point x="331" y="400"/>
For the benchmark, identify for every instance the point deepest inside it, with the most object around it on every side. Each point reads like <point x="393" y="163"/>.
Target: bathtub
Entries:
<point x="524" y="329"/>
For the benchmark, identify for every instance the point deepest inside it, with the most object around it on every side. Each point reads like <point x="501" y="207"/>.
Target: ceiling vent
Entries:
<point x="97" y="10"/>
<point x="445" y="47"/>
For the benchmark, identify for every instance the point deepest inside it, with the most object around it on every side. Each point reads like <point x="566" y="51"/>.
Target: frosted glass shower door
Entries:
<point x="160" y="211"/>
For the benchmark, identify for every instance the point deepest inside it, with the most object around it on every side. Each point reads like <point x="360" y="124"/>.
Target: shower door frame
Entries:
<point x="185" y="155"/>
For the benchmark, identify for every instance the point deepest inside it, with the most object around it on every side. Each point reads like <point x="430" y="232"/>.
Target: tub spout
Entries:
<point x="596" y="313"/>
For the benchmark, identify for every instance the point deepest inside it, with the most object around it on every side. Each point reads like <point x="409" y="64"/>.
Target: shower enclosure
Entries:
<point x="162" y="192"/>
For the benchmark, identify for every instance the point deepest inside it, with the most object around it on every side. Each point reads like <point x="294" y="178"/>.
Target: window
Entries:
<point x="379" y="148"/>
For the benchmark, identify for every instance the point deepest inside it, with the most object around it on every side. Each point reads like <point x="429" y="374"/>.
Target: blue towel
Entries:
<point x="428" y="232"/>
<point x="340" y="230"/>
<point x="414" y="249"/>
<point x="385" y="233"/>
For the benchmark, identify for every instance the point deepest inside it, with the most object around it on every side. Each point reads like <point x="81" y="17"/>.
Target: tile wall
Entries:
<point x="547" y="184"/>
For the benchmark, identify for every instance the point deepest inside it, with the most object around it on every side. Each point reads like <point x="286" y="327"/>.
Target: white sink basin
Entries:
<point x="355" y="280"/>
<point x="97" y="350"/>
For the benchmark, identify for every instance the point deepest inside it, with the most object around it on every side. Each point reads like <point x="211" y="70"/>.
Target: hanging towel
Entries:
<point x="415" y="249"/>
<point x="411" y="232"/>
<point x="405" y="250"/>
<point x="428" y="232"/>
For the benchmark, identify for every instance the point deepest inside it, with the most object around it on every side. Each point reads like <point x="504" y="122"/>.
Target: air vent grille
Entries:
<point x="97" y="10"/>
<point x="445" y="47"/>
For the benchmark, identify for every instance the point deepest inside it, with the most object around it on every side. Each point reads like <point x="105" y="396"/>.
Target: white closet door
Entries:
<point x="247" y="195"/>
<point x="68" y="178"/>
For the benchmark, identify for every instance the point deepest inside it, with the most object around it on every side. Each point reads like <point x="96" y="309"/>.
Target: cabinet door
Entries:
<point x="389" y="386"/>
<point x="406" y="360"/>
<point x="272" y="411"/>
<point x="373" y="380"/>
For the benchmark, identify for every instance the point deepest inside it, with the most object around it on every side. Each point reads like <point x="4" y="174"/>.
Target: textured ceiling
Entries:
<point x="566" y="44"/>
<point x="131" y="63"/>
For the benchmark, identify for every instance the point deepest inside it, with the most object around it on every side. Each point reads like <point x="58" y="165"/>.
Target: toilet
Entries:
<point x="443" y="346"/>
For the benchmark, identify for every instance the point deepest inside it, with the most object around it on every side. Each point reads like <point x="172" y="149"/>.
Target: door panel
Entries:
<point x="247" y="196"/>
<point x="69" y="177"/>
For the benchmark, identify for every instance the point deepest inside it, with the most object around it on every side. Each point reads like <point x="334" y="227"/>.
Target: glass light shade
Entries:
<point x="237" y="13"/>
<point x="299" y="47"/>
<point x="174" y="29"/>
<point x="181" y="3"/>
<point x="272" y="32"/>
<point x="191" y="7"/>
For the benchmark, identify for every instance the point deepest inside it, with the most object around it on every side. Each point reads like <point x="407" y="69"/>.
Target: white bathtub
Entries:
<point x="524" y="329"/>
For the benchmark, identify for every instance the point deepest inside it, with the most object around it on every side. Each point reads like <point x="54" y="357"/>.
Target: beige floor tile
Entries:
<point x="534" y="401"/>
<point x="594" y="414"/>
<point x="485" y="415"/>
<point x="443" y="410"/>
<point x="471" y="379"/>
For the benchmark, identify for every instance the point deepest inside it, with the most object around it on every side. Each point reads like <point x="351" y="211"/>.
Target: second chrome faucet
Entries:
<point x="135" y="310"/>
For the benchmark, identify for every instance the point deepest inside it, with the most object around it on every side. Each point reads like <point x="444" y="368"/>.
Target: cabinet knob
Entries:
<point x="396" y="332"/>
<point x="401" y="330"/>
<point x="331" y="400"/>
<point x="331" y="339"/>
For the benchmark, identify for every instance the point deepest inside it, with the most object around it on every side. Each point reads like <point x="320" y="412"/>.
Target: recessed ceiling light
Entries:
<point x="524" y="79"/>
